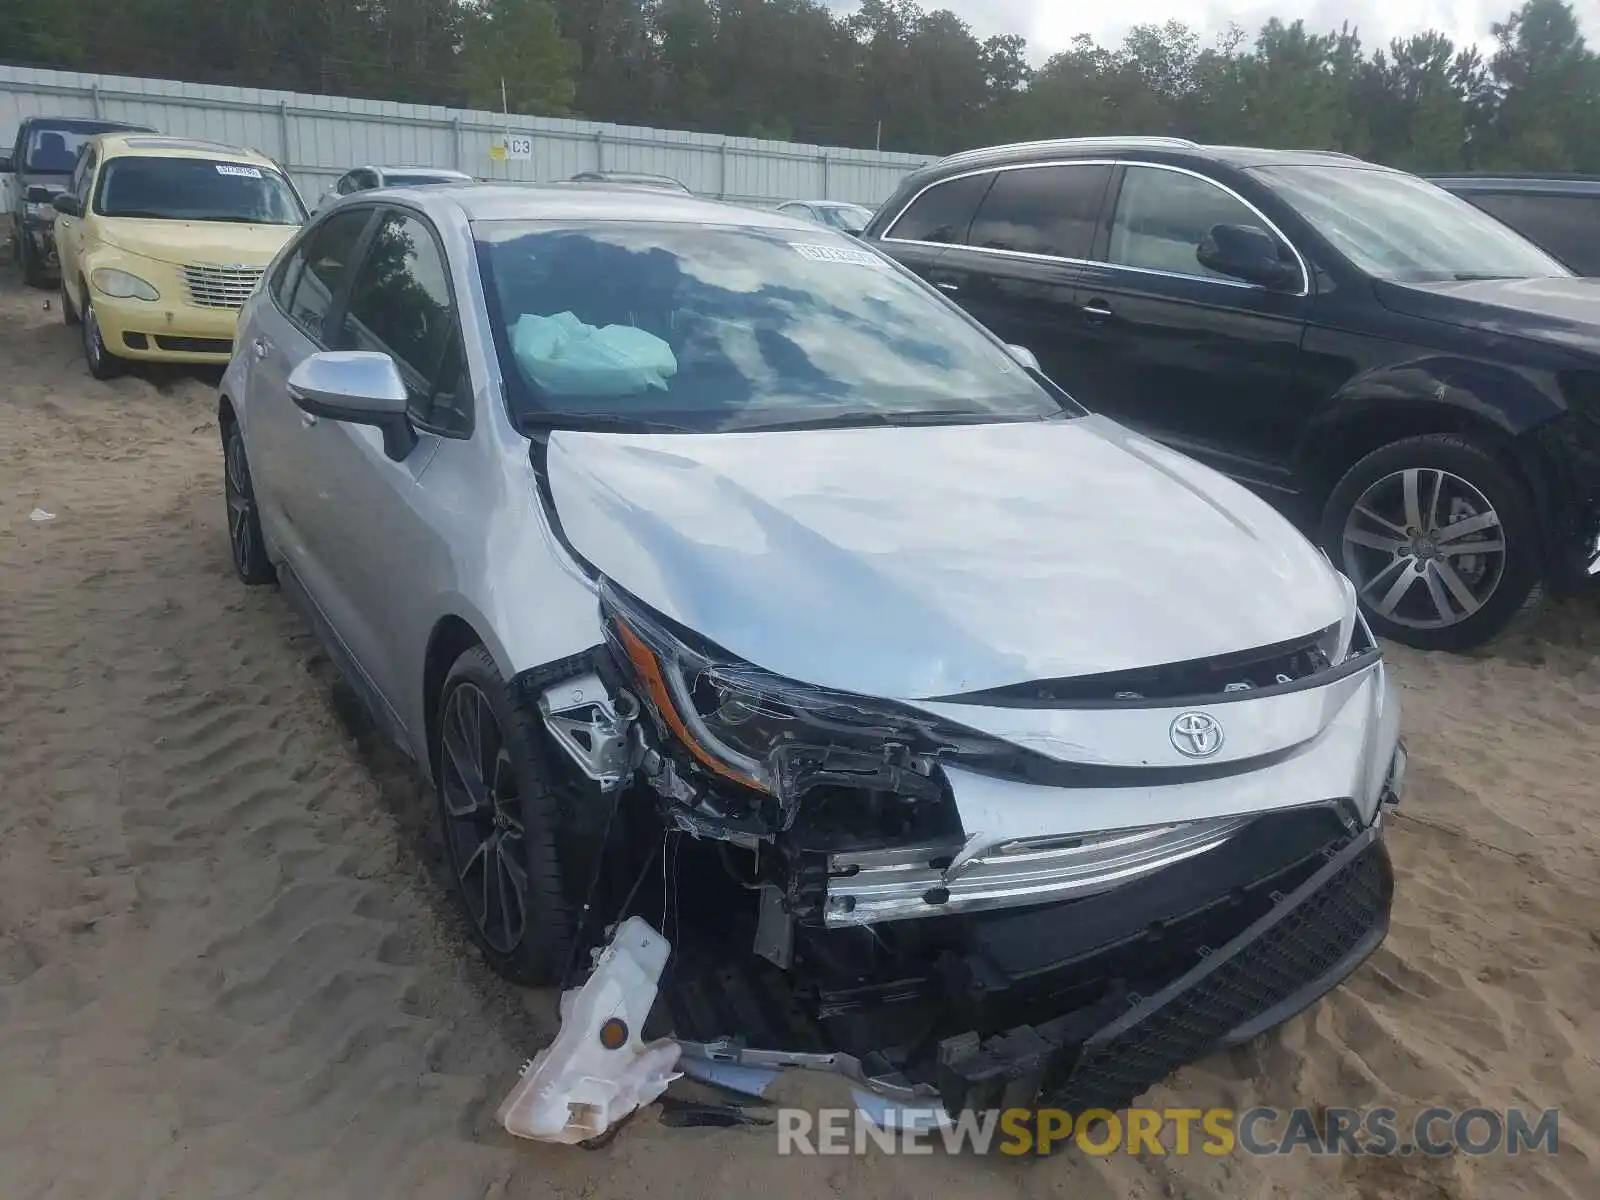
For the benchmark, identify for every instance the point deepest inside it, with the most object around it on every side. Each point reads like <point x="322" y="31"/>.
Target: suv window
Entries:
<point x="1563" y="225"/>
<point x="329" y="252"/>
<point x="83" y="174"/>
<point x="943" y="212"/>
<point x="1162" y="216"/>
<point x="1042" y="210"/>
<point x="400" y="305"/>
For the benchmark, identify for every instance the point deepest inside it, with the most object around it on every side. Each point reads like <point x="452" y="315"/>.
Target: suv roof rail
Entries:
<point x="1073" y="143"/>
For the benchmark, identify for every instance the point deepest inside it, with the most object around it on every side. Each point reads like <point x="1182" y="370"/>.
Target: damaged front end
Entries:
<point x="985" y="901"/>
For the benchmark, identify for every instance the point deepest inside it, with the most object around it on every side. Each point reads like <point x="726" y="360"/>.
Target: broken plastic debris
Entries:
<point x="597" y="1070"/>
<point x="39" y="514"/>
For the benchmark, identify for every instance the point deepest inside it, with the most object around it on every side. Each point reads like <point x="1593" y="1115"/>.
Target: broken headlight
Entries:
<point x="754" y="728"/>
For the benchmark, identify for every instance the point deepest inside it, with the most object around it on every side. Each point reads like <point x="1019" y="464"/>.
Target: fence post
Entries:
<point x="599" y="149"/>
<point x="94" y="99"/>
<point x="283" y="134"/>
<point x="455" y="142"/>
<point x="722" y="169"/>
<point x="824" y="159"/>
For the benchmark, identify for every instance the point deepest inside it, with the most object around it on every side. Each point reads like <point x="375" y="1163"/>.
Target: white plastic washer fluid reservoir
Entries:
<point x="597" y="1070"/>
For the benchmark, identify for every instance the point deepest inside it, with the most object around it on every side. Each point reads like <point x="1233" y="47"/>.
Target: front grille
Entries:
<point x="1302" y="947"/>
<point x="193" y="345"/>
<point x="220" y="287"/>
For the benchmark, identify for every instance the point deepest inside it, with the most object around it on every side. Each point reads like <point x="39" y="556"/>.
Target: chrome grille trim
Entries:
<point x="865" y="887"/>
<point x="212" y="286"/>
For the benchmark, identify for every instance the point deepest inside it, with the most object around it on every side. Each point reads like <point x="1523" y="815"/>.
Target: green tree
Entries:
<point x="516" y="45"/>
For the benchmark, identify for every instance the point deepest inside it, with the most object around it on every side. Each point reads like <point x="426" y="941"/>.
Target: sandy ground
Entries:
<point x="226" y="967"/>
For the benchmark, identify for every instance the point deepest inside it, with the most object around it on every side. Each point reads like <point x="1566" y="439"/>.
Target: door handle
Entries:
<point x="260" y="348"/>
<point x="1097" y="311"/>
<point x="944" y="285"/>
<point x="307" y="420"/>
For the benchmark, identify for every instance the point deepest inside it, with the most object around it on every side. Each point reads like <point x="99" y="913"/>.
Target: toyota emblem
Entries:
<point x="1196" y="735"/>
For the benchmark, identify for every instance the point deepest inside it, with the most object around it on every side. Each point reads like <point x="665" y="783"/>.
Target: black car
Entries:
<point x="1559" y="213"/>
<point x="1409" y="373"/>
<point x="41" y="162"/>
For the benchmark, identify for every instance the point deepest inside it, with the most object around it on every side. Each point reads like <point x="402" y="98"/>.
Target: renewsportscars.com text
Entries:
<point x="1182" y="1131"/>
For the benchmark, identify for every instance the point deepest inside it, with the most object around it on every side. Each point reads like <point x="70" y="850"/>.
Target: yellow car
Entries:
<point x="161" y="241"/>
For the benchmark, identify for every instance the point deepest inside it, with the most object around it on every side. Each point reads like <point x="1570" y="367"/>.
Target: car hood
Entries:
<point x="212" y="242"/>
<point x="912" y="563"/>
<point x="1564" y="310"/>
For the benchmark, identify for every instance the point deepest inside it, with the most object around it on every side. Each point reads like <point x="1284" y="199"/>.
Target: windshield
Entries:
<point x="1400" y="227"/>
<point x="708" y="328"/>
<point x="196" y="189"/>
<point x="54" y="151"/>
<point x="851" y="218"/>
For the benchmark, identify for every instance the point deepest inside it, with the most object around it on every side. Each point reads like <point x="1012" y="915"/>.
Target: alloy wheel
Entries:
<point x="1424" y="548"/>
<point x="236" y="481"/>
<point x="484" y="823"/>
<point x="93" y="346"/>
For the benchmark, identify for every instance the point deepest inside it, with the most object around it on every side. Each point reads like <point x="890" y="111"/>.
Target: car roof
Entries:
<point x="134" y="145"/>
<point x="441" y="172"/>
<point x="1157" y="148"/>
<point x="85" y="125"/>
<point x="588" y="202"/>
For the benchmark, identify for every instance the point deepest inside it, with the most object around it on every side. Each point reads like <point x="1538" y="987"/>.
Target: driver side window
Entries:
<point x="1162" y="216"/>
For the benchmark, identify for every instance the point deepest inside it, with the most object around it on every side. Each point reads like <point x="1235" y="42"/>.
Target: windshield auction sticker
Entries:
<point x="241" y="172"/>
<point x="836" y="254"/>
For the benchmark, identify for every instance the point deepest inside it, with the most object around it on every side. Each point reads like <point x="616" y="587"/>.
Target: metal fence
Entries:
<point x="318" y="138"/>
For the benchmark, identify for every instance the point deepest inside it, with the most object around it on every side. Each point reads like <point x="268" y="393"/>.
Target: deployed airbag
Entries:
<point x="561" y="354"/>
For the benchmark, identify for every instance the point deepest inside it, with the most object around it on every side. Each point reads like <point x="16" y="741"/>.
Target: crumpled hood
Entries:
<point x="932" y="561"/>
<point x="215" y="242"/>
<point x="1564" y="311"/>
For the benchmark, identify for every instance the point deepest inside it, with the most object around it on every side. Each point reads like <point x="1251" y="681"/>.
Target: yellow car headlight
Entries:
<point x="122" y="285"/>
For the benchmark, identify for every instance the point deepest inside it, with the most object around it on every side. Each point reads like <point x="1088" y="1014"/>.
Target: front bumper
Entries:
<point x="1272" y="970"/>
<point x="158" y="331"/>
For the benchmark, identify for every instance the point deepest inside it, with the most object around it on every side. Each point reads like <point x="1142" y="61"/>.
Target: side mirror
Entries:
<point x="358" y="386"/>
<point x="38" y="195"/>
<point x="1246" y="252"/>
<point x="1026" y="357"/>
<point x="67" y="204"/>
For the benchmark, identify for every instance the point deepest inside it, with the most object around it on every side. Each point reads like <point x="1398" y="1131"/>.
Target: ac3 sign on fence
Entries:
<point x="515" y="148"/>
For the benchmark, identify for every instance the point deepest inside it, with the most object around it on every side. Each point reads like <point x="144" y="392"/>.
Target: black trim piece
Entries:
<point x="539" y="455"/>
<point x="999" y="698"/>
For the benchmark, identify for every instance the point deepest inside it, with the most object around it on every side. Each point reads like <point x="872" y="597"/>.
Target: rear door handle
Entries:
<point x="1097" y="311"/>
<point x="945" y="285"/>
<point x="307" y="420"/>
<point x="261" y="348"/>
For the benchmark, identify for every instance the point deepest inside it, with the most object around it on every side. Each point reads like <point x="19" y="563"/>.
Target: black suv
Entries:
<point x="1559" y="213"/>
<point x="1409" y="373"/>
<point x="41" y="163"/>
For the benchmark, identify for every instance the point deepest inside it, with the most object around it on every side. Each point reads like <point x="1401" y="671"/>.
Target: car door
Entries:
<point x="1020" y="265"/>
<point x="69" y="230"/>
<point x="366" y="533"/>
<point x="1208" y="363"/>
<point x="284" y="329"/>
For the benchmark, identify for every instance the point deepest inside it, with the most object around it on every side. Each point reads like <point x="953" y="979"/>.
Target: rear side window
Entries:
<point x="943" y="212"/>
<point x="400" y="305"/>
<point x="1042" y="210"/>
<point x="329" y="253"/>
<point x="1565" y="226"/>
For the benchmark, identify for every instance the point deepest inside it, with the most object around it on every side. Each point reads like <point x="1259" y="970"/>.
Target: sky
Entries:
<point x="1050" y="25"/>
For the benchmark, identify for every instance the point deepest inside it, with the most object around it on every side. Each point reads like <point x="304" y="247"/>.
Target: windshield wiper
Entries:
<point x="862" y="420"/>
<point x="543" y="422"/>
<point x="1476" y="276"/>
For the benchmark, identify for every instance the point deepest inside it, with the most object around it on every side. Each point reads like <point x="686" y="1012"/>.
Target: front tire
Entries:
<point x="498" y="816"/>
<point x="249" y="547"/>
<point x="102" y="364"/>
<point x="1440" y="539"/>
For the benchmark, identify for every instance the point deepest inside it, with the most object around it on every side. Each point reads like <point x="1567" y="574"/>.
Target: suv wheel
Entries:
<point x="102" y="363"/>
<point x="498" y="817"/>
<point x="1439" y="539"/>
<point x="249" y="548"/>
